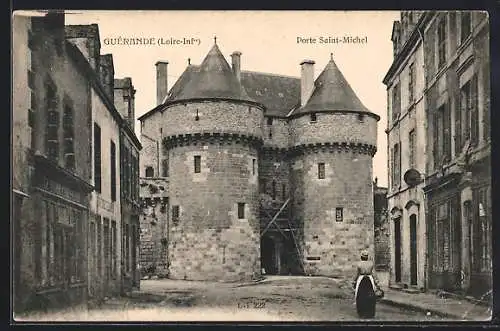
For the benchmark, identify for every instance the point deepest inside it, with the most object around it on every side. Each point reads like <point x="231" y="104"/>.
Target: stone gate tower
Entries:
<point x="333" y="140"/>
<point x="214" y="134"/>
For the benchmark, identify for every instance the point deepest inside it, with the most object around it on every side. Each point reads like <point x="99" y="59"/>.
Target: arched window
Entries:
<point x="150" y="172"/>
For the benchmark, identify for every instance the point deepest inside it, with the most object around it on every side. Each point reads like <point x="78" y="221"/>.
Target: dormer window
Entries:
<point x="313" y="118"/>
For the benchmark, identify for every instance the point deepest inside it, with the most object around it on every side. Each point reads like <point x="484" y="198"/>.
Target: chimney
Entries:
<point x="107" y="74"/>
<point x="306" y="81"/>
<point x="86" y="38"/>
<point x="236" y="62"/>
<point x="161" y="81"/>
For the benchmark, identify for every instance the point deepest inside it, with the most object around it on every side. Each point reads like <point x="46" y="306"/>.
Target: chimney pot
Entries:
<point x="306" y="81"/>
<point x="161" y="81"/>
<point x="236" y="63"/>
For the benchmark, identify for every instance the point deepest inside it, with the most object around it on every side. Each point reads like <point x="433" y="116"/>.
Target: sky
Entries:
<point x="268" y="41"/>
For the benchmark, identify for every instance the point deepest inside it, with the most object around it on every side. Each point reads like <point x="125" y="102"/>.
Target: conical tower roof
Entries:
<point x="213" y="79"/>
<point x="332" y="92"/>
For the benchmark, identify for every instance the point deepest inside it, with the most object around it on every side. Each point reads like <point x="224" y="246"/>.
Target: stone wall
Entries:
<point x="209" y="241"/>
<point x="213" y="116"/>
<point x="332" y="247"/>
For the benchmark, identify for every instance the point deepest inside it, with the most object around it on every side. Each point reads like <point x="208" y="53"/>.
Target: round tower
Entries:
<point x="212" y="135"/>
<point x="333" y="139"/>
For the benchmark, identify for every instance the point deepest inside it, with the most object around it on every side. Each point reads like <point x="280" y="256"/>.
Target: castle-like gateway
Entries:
<point x="244" y="171"/>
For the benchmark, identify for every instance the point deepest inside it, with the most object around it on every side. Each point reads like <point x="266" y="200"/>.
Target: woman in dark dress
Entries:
<point x="365" y="288"/>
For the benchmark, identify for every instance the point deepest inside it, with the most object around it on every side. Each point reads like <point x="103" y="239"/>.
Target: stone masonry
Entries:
<point x="235" y="147"/>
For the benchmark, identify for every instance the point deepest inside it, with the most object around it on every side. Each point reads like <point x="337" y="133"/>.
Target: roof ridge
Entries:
<point x="269" y="74"/>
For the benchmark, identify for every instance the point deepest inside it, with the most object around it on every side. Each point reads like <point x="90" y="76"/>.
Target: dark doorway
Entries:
<point x="397" y="250"/>
<point x="413" y="249"/>
<point x="267" y="252"/>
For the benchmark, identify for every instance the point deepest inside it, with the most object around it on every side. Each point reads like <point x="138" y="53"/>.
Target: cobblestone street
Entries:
<point x="274" y="299"/>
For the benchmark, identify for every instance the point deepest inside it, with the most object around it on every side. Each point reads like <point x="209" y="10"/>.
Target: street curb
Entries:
<point x="419" y="308"/>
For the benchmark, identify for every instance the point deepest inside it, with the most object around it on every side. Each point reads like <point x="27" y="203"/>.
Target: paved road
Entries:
<point x="275" y="299"/>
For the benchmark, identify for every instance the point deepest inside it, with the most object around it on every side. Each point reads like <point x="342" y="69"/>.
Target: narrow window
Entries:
<point x="396" y="169"/>
<point x="269" y="121"/>
<point x="164" y="167"/>
<point x="241" y="210"/>
<point x="197" y="117"/>
<point x="339" y="214"/>
<point x="274" y="190"/>
<point x="175" y="215"/>
<point x="441" y="39"/>
<point x="68" y="134"/>
<point x="412" y="143"/>
<point x="197" y="164"/>
<point x="150" y="172"/>
<point x="283" y="191"/>
<point x="97" y="157"/>
<point x="321" y="171"/>
<point x="313" y="117"/>
<point x="411" y="83"/>
<point x="254" y="166"/>
<point x="396" y="102"/>
<point x="465" y="25"/>
<point x="270" y="133"/>
<point x="113" y="171"/>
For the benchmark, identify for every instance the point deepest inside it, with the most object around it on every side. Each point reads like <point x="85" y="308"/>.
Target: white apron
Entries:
<point x="358" y="281"/>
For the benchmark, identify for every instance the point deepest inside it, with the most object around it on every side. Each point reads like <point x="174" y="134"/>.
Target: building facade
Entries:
<point x="51" y="166"/>
<point x="260" y="171"/>
<point x="66" y="166"/>
<point x="456" y="174"/>
<point x="406" y="139"/>
<point x="112" y="247"/>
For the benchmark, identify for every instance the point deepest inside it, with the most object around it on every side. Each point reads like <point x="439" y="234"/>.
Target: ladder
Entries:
<point x="290" y="229"/>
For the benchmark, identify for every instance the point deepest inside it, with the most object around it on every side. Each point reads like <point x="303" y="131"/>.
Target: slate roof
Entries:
<point x="214" y="78"/>
<point x="279" y="94"/>
<point x="332" y="92"/>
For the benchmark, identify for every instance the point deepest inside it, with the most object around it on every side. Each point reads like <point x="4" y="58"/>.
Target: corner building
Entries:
<point x="263" y="172"/>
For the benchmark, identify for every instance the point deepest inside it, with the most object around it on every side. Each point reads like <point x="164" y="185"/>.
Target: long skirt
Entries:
<point x="365" y="298"/>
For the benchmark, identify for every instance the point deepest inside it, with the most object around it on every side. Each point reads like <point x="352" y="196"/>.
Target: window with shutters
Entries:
<point x="441" y="42"/>
<point x="469" y="121"/>
<point x="97" y="157"/>
<point x="442" y="136"/>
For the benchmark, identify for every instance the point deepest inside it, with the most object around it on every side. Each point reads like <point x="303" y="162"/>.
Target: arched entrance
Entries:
<point x="413" y="249"/>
